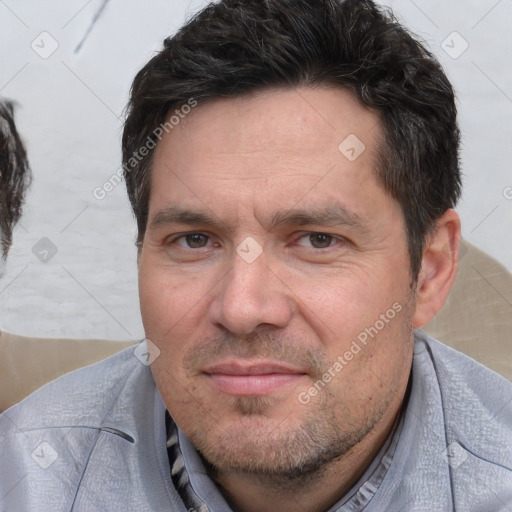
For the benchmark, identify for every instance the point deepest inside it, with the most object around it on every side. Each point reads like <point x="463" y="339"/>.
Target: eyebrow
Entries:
<point x="330" y="215"/>
<point x="177" y="215"/>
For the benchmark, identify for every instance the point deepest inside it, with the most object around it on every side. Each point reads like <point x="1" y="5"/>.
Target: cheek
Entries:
<point x="362" y="319"/>
<point x="171" y="304"/>
<point x="345" y="303"/>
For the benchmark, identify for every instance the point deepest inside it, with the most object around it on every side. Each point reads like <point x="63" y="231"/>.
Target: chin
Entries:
<point x="284" y="448"/>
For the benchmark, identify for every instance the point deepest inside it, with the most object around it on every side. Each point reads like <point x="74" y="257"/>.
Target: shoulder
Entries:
<point x="84" y="436"/>
<point x="454" y="450"/>
<point x="82" y="397"/>
<point x="476" y="406"/>
<point x="471" y="394"/>
<point x="460" y="376"/>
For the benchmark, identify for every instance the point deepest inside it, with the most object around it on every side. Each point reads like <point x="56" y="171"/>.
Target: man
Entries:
<point x="14" y="176"/>
<point x="293" y="168"/>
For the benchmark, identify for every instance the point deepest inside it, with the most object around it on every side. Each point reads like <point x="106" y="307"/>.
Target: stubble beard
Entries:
<point x="282" y="454"/>
<point x="286" y="453"/>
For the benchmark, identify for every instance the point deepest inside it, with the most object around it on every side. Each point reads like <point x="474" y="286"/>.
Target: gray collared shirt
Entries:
<point x="95" y="440"/>
<point x="423" y="454"/>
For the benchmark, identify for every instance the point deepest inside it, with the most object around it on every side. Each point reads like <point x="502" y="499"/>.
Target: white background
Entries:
<point x="70" y="116"/>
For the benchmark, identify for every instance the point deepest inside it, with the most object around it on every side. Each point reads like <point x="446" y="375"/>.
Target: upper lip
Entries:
<point x="247" y="367"/>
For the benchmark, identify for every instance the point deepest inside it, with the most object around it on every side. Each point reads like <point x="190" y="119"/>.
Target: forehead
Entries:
<point x="276" y="146"/>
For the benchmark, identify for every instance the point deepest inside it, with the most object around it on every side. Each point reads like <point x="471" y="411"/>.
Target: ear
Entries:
<point x="438" y="268"/>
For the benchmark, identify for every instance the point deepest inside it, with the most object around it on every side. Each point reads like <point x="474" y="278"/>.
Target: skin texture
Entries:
<point x="268" y="167"/>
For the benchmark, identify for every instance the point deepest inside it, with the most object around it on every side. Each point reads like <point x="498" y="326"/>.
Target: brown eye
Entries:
<point x="320" y="240"/>
<point x="196" y="240"/>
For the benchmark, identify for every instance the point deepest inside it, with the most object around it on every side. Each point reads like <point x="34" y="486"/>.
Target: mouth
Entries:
<point x="249" y="378"/>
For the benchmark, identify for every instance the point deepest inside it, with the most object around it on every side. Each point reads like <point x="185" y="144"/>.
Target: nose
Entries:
<point x="251" y="296"/>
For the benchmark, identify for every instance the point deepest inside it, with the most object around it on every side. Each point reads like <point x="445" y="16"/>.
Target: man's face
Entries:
<point x="274" y="280"/>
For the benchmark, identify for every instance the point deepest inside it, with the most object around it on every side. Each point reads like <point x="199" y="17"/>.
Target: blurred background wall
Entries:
<point x="69" y="65"/>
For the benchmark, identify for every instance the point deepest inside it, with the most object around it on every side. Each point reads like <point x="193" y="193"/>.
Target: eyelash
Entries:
<point x="333" y="238"/>
<point x="184" y="237"/>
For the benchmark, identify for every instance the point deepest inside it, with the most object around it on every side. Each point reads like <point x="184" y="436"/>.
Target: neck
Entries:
<point x="312" y="492"/>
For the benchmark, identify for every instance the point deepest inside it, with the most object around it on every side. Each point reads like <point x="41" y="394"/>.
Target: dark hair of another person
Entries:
<point x="235" y="47"/>
<point x="14" y="175"/>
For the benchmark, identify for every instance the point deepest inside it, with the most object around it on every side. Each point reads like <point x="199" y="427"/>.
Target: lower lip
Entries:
<point x="253" y="385"/>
